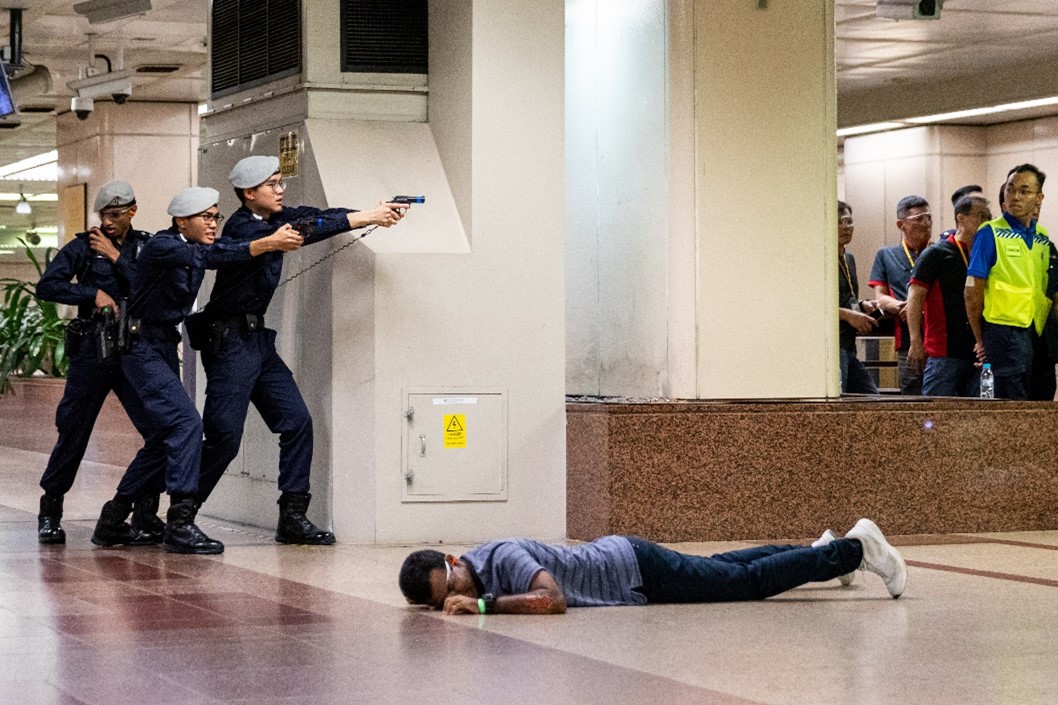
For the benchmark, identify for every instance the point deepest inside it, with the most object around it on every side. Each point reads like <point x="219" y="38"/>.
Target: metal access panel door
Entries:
<point x="455" y="445"/>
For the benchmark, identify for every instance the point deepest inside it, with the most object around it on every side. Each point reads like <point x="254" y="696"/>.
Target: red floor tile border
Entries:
<point x="985" y="573"/>
<point x="1023" y="544"/>
<point x="906" y="540"/>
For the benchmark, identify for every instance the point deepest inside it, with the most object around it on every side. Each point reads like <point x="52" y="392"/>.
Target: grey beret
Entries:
<point x="192" y="201"/>
<point x="114" y="194"/>
<point x="253" y="171"/>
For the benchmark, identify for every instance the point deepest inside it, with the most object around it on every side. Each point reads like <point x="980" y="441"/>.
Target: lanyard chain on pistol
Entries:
<point x="326" y="257"/>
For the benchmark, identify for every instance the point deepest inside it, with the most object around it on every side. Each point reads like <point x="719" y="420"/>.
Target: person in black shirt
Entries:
<point x="944" y="348"/>
<point x="854" y="315"/>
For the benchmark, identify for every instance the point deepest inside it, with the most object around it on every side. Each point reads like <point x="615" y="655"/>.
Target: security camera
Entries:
<point x="82" y="107"/>
<point x="115" y="85"/>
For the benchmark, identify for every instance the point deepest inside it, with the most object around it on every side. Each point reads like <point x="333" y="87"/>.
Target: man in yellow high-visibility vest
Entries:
<point x="1006" y="284"/>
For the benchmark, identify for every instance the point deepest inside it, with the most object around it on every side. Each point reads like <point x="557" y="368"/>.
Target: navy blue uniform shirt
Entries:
<point x="93" y="271"/>
<point x="170" y="273"/>
<point x="248" y="287"/>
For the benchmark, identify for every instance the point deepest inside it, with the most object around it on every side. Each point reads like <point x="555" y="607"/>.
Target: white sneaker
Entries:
<point x="879" y="557"/>
<point x="823" y="540"/>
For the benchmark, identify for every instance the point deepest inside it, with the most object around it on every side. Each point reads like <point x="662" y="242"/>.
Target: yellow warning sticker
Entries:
<point x="455" y="430"/>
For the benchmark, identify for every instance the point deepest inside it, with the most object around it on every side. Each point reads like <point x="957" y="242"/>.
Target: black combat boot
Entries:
<point x="48" y="529"/>
<point x="145" y="517"/>
<point x="294" y="526"/>
<point x="181" y="534"/>
<point x="113" y="530"/>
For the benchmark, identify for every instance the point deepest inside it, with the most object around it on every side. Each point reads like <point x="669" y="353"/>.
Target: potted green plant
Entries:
<point x="32" y="333"/>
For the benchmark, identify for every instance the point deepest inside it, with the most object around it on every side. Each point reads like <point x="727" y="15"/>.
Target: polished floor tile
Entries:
<point x="266" y="624"/>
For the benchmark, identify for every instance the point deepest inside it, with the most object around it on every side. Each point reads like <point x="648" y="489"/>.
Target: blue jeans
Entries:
<point x="1009" y="349"/>
<point x="855" y="379"/>
<point x="951" y="377"/>
<point x="748" y="574"/>
<point x="910" y="380"/>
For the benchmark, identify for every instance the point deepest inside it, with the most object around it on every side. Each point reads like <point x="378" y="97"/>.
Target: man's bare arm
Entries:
<point x="544" y="597"/>
<point x="916" y="299"/>
<point x="974" y="295"/>
<point x="888" y="304"/>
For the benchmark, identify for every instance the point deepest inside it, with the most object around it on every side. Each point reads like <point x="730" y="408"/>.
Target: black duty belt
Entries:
<point x="245" y="322"/>
<point x="154" y="331"/>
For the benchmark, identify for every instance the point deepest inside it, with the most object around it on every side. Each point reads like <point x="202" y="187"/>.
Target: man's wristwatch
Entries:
<point x="487" y="603"/>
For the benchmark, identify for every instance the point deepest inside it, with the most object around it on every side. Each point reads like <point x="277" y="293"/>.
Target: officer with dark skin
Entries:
<point x="243" y="366"/>
<point x="171" y="268"/>
<point x="94" y="272"/>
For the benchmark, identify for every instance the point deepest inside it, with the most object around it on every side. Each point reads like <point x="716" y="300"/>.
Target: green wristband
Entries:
<point x="481" y="605"/>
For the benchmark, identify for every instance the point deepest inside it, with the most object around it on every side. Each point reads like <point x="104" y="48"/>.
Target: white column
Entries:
<point x="765" y="122"/>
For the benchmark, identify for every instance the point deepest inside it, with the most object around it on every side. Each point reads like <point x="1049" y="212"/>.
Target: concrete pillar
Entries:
<point x="701" y="211"/>
<point x="765" y="107"/>
<point x="460" y="306"/>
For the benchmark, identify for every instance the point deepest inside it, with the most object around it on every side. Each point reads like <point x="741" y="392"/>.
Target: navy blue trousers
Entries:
<point x="246" y="370"/>
<point x="152" y="368"/>
<point x="748" y="574"/>
<point x="87" y="385"/>
<point x="1010" y="350"/>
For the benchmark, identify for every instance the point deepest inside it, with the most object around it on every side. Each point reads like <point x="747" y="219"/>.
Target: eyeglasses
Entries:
<point x="210" y="217"/>
<point x="1024" y="191"/>
<point x="846" y="222"/>
<point x="113" y="213"/>
<point x="277" y="185"/>
<point x="919" y="216"/>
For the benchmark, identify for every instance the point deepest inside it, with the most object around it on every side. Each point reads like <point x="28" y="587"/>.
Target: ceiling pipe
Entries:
<point x="16" y="38"/>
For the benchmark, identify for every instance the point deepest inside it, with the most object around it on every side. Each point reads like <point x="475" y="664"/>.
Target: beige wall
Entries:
<point x="153" y="146"/>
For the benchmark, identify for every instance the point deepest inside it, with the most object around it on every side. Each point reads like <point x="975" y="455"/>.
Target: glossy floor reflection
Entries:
<point x="268" y="624"/>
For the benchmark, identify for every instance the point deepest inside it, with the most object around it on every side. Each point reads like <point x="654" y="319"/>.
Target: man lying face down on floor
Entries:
<point x="520" y="576"/>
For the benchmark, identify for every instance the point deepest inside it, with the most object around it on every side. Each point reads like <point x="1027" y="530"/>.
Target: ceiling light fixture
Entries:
<point x="40" y="167"/>
<point x="947" y="117"/>
<point x="1005" y="108"/>
<point x="23" y="207"/>
<point x="873" y="127"/>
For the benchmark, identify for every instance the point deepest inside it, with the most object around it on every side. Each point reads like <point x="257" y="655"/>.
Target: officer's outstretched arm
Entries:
<point x="286" y="239"/>
<point x="384" y="215"/>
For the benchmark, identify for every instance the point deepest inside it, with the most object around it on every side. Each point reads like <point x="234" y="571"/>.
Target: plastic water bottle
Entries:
<point x="988" y="382"/>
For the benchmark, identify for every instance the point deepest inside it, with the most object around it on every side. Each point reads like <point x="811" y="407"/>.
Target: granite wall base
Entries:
<point x="27" y="422"/>
<point x="708" y="471"/>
